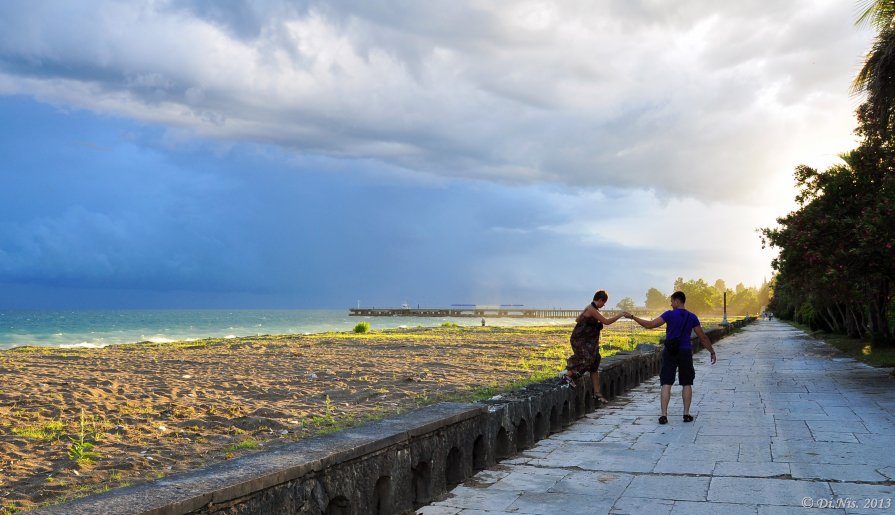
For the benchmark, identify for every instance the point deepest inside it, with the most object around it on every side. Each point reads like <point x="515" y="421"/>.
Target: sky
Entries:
<point x="305" y="154"/>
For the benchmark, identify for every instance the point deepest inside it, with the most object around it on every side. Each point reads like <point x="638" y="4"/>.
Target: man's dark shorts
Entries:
<point x="682" y="362"/>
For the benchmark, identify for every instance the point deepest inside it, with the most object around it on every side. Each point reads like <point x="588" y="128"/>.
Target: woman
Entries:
<point x="585" y="341"/>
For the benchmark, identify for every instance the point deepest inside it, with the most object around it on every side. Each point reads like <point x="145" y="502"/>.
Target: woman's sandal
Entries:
<point x="663" y="419"/>
<point x="602" y="399"/>
<point x="688" y="418"/>
<point x="566" y="379"/>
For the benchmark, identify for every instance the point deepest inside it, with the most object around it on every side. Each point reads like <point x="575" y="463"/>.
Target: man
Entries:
<point x="680" y="324"/>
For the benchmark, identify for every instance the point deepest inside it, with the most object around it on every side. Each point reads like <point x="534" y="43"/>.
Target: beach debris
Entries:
<point x="284" y="432"/>
<point x="497" y="397"/>
<point x="162" y="428"/>
<point x="312" y="376"/>
<point x="76" y="472"/>
<point x="186" y="376"/>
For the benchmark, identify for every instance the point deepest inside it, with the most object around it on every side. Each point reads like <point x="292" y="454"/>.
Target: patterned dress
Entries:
<point x="585" y="341"/>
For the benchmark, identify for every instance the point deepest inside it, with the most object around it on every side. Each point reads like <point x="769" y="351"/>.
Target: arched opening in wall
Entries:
<point x="382" y="501"/>
<point x="606" y="387"/>
<point x="588" y="403"/>
<point x="453" y="469"/>
<point x="523" y="439"/>
<point x="503" y="446"/>
<point x="338" y="505"/>
<point x="616" y="386"/>
<point x="579" y="405"/>
<point x="555" y="424"/>
<point x="422" y="483"/>
<point x="540" y="426"/>
<point x="566" y="416"/>
<point x="479" y="454"/>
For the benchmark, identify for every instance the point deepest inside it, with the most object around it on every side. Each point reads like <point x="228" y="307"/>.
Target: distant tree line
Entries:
<point x="836" y="262"/>
<point x="707" y="299"/>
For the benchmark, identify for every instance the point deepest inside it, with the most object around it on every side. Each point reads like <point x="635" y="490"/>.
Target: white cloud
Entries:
<point x="691" y="99"/>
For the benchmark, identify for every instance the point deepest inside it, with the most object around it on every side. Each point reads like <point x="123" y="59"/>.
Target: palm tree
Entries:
<point x="877" y="76"/>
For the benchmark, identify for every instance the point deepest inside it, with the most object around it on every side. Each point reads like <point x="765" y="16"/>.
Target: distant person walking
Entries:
<point x="677" y="356"/>
<point x="585" y="342"/>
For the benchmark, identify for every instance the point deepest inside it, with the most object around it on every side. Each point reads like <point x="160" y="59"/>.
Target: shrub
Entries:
<point x="362" y="327"/>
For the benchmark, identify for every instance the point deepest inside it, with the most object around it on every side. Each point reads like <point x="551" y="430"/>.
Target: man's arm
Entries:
<point x="706" y="343"/>
<point x="649" y="324"/>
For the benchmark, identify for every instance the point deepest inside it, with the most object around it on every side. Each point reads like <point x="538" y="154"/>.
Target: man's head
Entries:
<point x="600" y="298"/>
<point x="678" y="299"/>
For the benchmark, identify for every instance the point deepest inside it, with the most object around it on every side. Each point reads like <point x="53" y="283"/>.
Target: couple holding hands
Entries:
<point x="677" y="356"/>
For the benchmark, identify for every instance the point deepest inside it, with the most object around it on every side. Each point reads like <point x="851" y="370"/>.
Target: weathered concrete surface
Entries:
<point x="782" y="422"/>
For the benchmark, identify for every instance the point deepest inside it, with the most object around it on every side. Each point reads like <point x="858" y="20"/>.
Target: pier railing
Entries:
<point x="479" y="312"/>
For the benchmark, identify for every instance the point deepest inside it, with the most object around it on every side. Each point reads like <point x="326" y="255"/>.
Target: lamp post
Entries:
<point x="724" y="322"/>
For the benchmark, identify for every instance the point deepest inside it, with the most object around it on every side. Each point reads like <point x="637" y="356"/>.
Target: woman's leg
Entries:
<point x="595" y="381"/>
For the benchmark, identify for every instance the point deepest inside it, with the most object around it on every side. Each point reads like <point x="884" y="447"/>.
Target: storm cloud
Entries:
<point x="592" y="94"/>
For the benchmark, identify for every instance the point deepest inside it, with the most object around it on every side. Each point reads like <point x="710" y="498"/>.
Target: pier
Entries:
<point x="479" y="312"/>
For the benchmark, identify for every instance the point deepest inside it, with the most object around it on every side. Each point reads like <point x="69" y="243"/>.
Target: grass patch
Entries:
<point x="860" y="349"/>
<point x="247" y="443"/>
<point x="47" y="432"/>
<point x="362" y="327"/>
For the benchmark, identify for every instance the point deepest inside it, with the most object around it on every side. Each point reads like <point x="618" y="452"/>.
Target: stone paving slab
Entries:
<point x="780" y="418"/>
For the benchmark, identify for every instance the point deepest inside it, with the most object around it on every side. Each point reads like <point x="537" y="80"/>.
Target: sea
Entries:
<point x="99" y="328"/>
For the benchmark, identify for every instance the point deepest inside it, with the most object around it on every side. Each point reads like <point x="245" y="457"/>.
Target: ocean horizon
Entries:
<point x="93" y="328"/>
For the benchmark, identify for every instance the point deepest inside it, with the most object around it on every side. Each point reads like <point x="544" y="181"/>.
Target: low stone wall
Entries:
<point x="388" y="466"/>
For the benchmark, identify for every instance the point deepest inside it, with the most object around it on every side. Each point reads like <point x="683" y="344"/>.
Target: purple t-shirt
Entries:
<point x="674" y="325"/>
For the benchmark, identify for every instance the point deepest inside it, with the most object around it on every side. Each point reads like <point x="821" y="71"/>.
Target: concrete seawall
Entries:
<point x="388" y="466"/>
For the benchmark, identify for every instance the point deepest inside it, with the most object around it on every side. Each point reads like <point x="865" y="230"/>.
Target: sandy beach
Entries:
<point x="79" y="421"/>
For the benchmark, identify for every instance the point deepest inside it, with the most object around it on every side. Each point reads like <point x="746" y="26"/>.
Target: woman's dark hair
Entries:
<point x="601" y="295"/>
<point x="679" y="295"/>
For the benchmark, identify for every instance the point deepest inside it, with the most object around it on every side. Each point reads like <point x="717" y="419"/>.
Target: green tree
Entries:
<point x="720" y="285"/>
<point x="656" y="300"/>
<point x="836" y="264"/>
<point x="701" y="297"/>
<point x="877" y="75"/>
<point x="743" y="302"/>
<point x="626" y="304"/>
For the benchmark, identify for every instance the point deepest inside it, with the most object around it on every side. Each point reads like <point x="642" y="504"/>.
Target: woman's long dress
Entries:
<point x="585" y="341"/>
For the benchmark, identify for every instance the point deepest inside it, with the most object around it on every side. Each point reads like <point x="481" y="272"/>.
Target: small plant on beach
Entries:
<point x="449" y="324"/>
<point x="80" y="449"/>
<point x="362" y="327"/>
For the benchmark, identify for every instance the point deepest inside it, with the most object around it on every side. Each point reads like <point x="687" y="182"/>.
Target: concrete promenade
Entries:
<point x="782" y="421"/>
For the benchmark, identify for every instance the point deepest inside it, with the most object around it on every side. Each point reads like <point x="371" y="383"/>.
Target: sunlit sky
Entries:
<point x="319" y="154"/>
